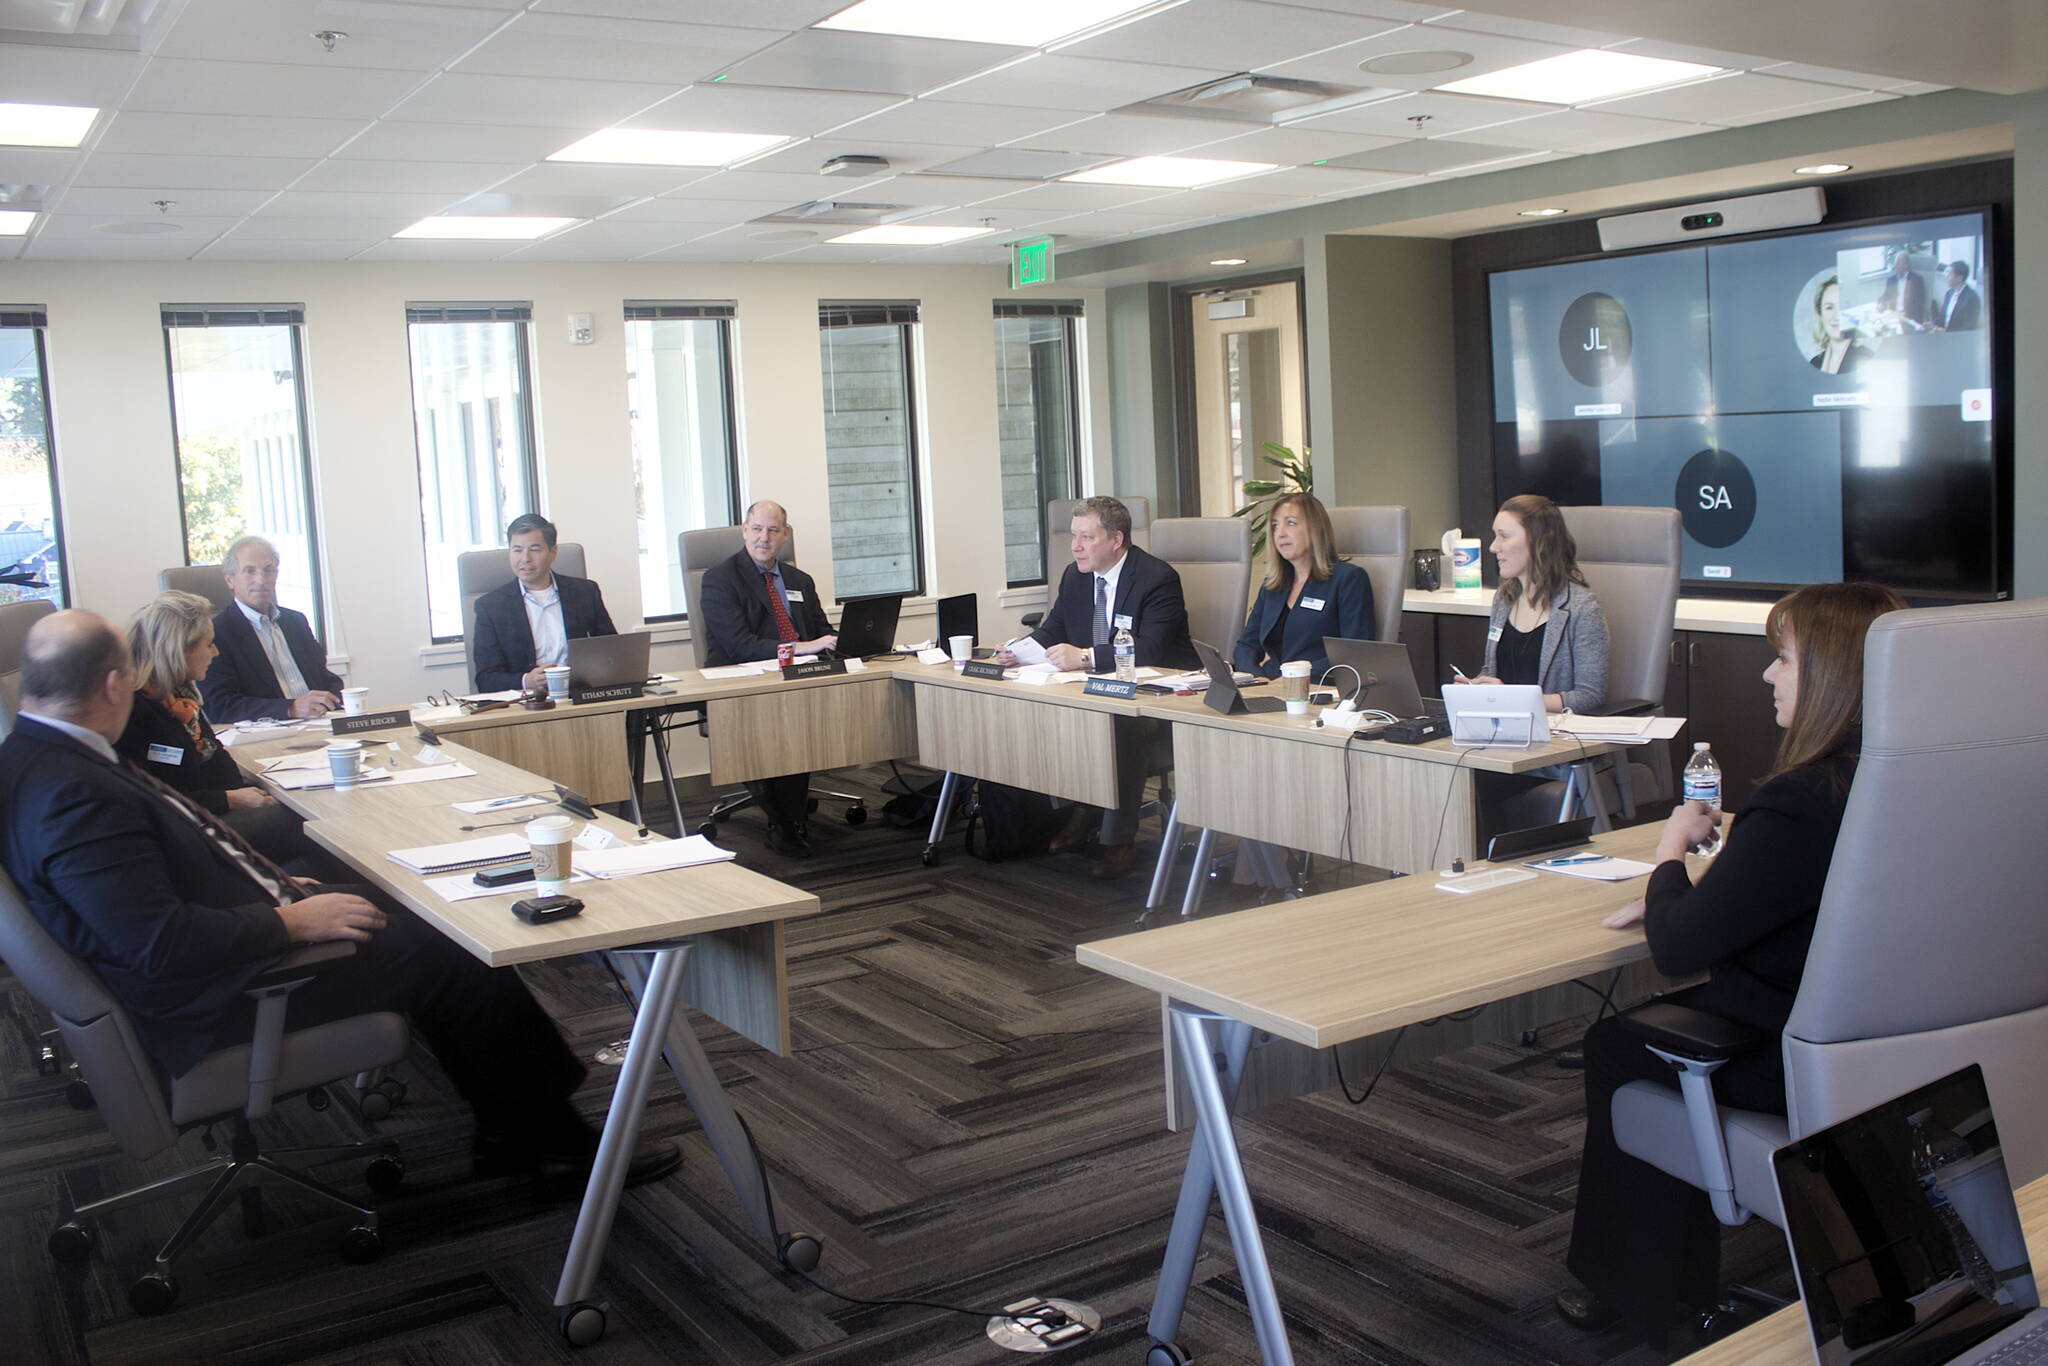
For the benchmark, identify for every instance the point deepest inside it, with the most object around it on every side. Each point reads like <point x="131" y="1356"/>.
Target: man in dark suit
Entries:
<point x="271" y="665"/>
<point x="1961" y="309"/>
<point x="747" y="607"/>
<point x="526" y="625"/>
<point x="1112" y="585"/>
<point x="176" y="914"/>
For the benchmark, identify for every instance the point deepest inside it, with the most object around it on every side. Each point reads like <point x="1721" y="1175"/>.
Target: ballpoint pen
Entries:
<point x="1573" y="859"/>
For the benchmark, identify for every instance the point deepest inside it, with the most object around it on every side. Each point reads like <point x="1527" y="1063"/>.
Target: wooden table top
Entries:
<point x="1055" y="694"/>
<point x="1346" y="965"/>
<point x="363" y="824"/>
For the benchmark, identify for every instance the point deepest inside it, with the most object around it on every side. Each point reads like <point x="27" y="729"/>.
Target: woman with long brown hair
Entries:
<point x="1644" y="1245"/>
<point x="1308" y="593"/>
<point x="1546" y="626"/>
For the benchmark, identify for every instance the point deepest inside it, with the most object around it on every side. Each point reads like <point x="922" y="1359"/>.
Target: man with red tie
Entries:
<point x="749" y="606"/>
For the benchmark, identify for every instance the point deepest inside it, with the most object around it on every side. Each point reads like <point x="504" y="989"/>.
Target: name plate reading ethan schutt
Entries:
<point x="613" y="693"/>
<point x="370" y="720"/>
<point x="982" y="668"/>
<point x="817" y="668"/>
<point x="1110" y="687"/>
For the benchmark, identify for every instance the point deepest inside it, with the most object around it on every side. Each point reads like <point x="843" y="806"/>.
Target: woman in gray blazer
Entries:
<point x="1547" y="627"/>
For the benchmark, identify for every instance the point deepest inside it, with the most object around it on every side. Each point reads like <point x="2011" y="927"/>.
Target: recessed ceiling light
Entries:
<point x="485" y="228"/>
<point x="1228" y="261"/>
<point x="1824" y="168"/>
<point x="907" y="235"/>
<point x="1580" y="77"/>
<point x="1416" y="63"/>
<point x="1029" y="25"/>
<point x="1174" y="173"/>
<point x="15" y="222"/>
<point x="45" y="125"/>
<point x="1539" y="213"/>
<point x="661" y="147"/>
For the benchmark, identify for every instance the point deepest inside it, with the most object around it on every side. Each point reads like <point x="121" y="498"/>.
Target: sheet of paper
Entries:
<point x="462" y="886"/>
<point x="630" y="860"/>
<point x="1039" y="675"/>
<point x="595" y="837"/>
<point x="1602" y="725"/>
<point x="933" y="657"/>
<point x="1596" y="869"/>
<point x="753" y="670"/>
<point x="501" y="804"/>
<point x="314" y="780"/>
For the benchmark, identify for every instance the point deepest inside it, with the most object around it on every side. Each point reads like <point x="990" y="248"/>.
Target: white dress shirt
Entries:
<point x="544" y="620"/>
<point x="290" y="681"/>
<point x="91" y="739"/>
<point x="1029" y="651"/>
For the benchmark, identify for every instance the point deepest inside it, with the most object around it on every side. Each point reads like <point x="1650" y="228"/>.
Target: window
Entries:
<point x="238" y="416"/>
<point x="31" y="539"/>
<point x="1039" y="419"/>
<point x="871" y="448"/>
<point x="685" y="460"/>
<point x="472" y="413"/>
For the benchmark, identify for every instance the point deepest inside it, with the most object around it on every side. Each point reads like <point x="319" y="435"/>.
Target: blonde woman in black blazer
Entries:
<point x="1308" y="593"/>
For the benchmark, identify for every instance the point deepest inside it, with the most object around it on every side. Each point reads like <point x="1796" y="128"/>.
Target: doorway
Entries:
<point x="1243" y="383"/>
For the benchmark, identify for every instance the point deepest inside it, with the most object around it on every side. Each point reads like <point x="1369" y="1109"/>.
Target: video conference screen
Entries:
<point x="1817" y="406"/>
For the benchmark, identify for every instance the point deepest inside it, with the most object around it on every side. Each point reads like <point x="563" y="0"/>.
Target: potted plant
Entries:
<point x="1297" y="475"/>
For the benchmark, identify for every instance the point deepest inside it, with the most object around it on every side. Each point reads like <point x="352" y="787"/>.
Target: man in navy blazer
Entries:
<point x="175" y="917"/>
<point x="748" y="606"/>
<point x="1112" y="585"/>
<point x="271" y="665"/>
<point x="526" y="625"/>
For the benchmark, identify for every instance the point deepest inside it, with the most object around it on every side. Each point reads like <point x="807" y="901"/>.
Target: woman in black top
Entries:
<point x="1644" y="1244"/>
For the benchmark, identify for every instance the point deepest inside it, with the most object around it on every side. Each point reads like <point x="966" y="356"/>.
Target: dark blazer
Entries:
<point x="122" y="878"/>
<point x="1346" y="611"/>
<point x="1969" y="308"/>
<point x="737" y="618"/>
<point x="504" y="639"/>
<point x="204" y="780"/>
<point x="1749" y="920"/>
<point x="1147" y="591"/>
<point x="241" y="685"/>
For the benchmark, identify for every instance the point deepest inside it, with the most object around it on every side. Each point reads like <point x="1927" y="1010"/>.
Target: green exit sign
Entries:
<point x="1031" y="263"/>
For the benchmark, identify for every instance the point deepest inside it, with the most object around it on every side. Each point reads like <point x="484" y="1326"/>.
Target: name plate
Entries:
<point x="369" y="720"/>
<point x="614" y="693"/>
<point x="817" y="668"/>
<point x="982" y="668"/>
<point x="1110" y="687"/>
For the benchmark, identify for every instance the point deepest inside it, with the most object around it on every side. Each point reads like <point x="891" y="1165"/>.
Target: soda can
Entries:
<point x="785" y="654"/>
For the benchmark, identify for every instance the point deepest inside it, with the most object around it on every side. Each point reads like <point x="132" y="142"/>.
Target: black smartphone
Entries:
<point x="506" y="876"/>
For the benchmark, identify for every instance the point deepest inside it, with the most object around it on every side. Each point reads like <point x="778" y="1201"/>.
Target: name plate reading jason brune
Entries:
<point x="1110" y="687"/>
<point x="613" y="693"/>
<point x="982" y="668"/>
<point x="369" y="720"/>
<point x="817" y="668"/>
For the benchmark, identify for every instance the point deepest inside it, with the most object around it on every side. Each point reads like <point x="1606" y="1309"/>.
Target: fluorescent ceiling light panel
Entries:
<point x="15" y="222"/>
<point x="980" y="21"/>
<point x="1580" y="77"/>
<point x="1174" y="173"/>
<point x="485" y="228"/>
<point x="45" y="125"/>
<point x="659" y="147"/>
<point x="907" y="235"/>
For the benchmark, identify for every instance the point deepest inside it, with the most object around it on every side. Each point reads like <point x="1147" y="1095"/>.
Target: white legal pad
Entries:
<point x="655" y="856"/>
<point x="449" y="858"/>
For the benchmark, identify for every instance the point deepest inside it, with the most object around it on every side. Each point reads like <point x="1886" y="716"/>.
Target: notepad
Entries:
<point x="655" y="856"/>
<point x="462" y="854"/>
<point x="1597" y="869"/>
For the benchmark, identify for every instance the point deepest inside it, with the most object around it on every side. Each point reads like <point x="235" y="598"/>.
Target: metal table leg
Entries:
<point x="658" y="733"/>
<point x="1191" y="1212"/>
<point x="939" y="818"/>
<point x="1198" y="873"/>
<point x="636" y="767"/>
<point x="1169" y="848"/>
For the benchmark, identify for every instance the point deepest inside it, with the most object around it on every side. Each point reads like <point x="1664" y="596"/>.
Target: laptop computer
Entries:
<point x="1905" y="1236"/>
<point x="607" y="661"/>
<point x="1223" y="694"/>
<point x="1386" y="676"/>
<point x="1501" y="715"/>
<point x="867" y="626"/>
<point x="959" y="615"/>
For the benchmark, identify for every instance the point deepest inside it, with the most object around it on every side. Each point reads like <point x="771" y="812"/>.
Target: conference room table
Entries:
<point x="1328" y="970"/>
<point x="712" y="936"/>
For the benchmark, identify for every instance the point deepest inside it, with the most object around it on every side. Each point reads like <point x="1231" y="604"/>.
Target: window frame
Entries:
<point x="1069" y="313"/>
<point x="36" y="320"/>
<point x="724" y="314"/>
<point x="903" y="315"/>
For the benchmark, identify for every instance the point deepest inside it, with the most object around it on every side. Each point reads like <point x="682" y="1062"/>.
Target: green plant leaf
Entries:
<point x="1263" y="488"/>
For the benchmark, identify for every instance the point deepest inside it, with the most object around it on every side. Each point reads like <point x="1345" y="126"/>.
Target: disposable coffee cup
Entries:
<point x="553" y="839"/>
<point x="558" y="682"/>
<point x="354" y="700"/>
<point x="962" y="648"/>
<point x="345" y="762"/>
<point x="1294" y="676"/>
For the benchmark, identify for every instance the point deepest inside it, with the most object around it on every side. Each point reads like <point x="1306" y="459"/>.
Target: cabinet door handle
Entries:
<point x="1692" y="654"/>
<point x="1675" y="661"/>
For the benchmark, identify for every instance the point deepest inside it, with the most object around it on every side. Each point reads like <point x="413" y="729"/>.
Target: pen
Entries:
<point x="1574" y="859"/>
<point x="504" y="801"/>
<point x="1462" y="677"/>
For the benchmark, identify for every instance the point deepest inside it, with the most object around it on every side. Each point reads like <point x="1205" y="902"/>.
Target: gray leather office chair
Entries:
<point x="206" y="580"/>
<point x="15" y="620"/>
<point x="698" y="551"/>
<point x="1376" y="540"/>
<point x="1059" y="528"/>
<point x="146" y="1114"/>
<point x="1927" y="954"/>
<point x="477" y="572"/>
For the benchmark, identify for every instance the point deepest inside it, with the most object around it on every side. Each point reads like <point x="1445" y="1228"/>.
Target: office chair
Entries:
<point x="15" y="620"/>
<point x="1926" y="954"/>
<point x="206" y="580"/>
<point x="1059" y="529"/>
<point x="698" y="551"/>
<point x="477" y="572"/>
<point x="1376" y="540"/>
<point x="146" y="1114"/>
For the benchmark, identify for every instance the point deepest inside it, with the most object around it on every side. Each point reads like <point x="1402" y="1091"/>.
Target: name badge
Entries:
<point x="166" y="754"/>
<point x="1493" y="635"/>
<point x="1123" y="622"/>
<point x="793" y="594"/>
<point x="1312" y="604"/>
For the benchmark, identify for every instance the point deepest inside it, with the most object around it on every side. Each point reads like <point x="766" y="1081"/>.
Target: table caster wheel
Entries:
<point x="857" y="814"/>
<point x="384" y="1174"/>
<point x="380" y="1100"/>
<point x="581" y="1324"/>
<point x="361" y="1245"/>
<point x="72" y="1241"/>
<point x="799" y="1251"/>
<point x="318" y="1100"/>
<point x="930" y="857"/>
<point x="1166" y="1354"/>
<point x="79" y="1095"/>
<point x="153" y="1294"/>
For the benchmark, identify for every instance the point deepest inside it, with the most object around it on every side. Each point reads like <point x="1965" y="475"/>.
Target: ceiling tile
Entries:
<point x="570" y="247"/>
<point x="964" y="254"/>
<point x="43" y="247"/>
<point x="1236" y="35"/>
<point x="1915" y="88"/>
<point x="1087" y="84"/>
<point x="224" y="135"/>
<point x="534" y="101"/>
<point x="825" y="59"/>
<point x="597" y="49"/>
<point x="788" y="187"/>
<point x="643" y="233"/>
<point x="1190" y="204"/>
<point x="1438" y="154"/>
<point x="411" y="249"/>
<point x="457" y="142"/>
<point x="38" y="165"/>
<point x="1113" y="222"/>
<point x="1721" y="99"/>
<point x="1846" y="100"/>
<point x="729" y="108"/>
<point x="1581" y="130"/>
<point x="193" y="230"/>
<point x="493" y="204"/>
<point x="1320" y="182"/>
<point x="394" y="37"/>
<point x="682" y="208"/>
<point x="776" y="14"/>
<point x="809" y="155"/>
<point x="140" y="201"/>
<point x="1828" y="75"/>
<point x="33" y="74"/>
<point x="1403" y="10"/>
<point x="1488" y="167"/>
<point x="976" y="125"/>
<point x="1076" y="198"/>
<point x="252" y="89"/>
<point x="1443" y="114"/>
<point x="1489" y="52"/>
<point x="407" y="177"/>
<point x="1294" y="146"/>
<point x="1138" y="135"/>
<point x="727" y="247"/>
<point x="326" y="204"/>
<point x="1536" y="30"/>
<point x="119" y="169"/>
<point x="565" y="178"/>
<point x="1682" y="52"/>
<point x="283" y="228"/>
<point x="947" y="190"/>
<point x="1003" y="219"/>
<point x="237" y="248"/>
<point x="1018" y="162"/>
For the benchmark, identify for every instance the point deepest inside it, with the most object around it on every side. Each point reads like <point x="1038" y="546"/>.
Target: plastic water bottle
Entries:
<point x="1126" y="651"/>
<point x="1703" y="784"/>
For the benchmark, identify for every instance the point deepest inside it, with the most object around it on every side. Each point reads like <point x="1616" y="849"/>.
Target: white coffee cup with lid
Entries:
<point x="553" y="840"/>
<point x="354" y="701"/>
<point x="1294" y="681"/>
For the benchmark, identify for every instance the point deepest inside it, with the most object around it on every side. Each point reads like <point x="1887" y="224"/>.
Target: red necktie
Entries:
<point x="785" y="629"/>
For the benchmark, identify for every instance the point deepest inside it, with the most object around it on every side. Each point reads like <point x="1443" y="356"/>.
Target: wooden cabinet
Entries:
<point x="1716" y="681"/>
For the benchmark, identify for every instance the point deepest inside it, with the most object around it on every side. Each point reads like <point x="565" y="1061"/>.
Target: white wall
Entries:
<point x="118" y="475"/>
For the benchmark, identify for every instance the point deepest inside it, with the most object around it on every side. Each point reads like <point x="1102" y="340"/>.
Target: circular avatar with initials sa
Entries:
<point x="1716" y="498"/>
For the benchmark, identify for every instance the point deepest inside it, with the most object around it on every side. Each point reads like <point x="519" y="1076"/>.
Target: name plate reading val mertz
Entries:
<point x="370" y="720"/>
<point x="982" y="668"/>
<point x="1110" y="687"/>
<point x="614" y="693"/>
<point x="817" y="668"/>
